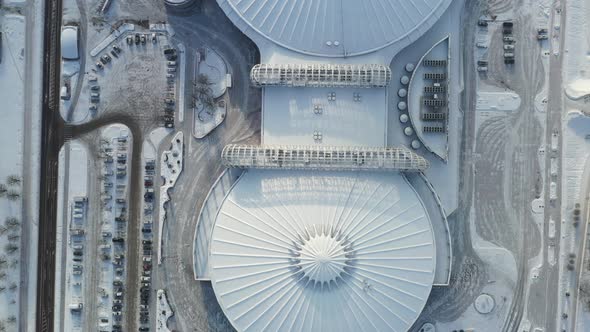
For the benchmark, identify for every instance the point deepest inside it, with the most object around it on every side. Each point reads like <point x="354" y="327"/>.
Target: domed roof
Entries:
<point x="322" y="251"/>
<point x="335" y="28"/>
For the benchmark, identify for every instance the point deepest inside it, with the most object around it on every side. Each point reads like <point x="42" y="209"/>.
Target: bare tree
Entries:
<point x="2" y="275"/>
<point x="12" y="222"/>
<point x="202" y="86"/>
<point x="3" y="190"/>
<point x="13" y="180"/>
<point x="10" y="248"/>
<point x="11" y="319"/>
<point x="209" y="104"/>
<point x="203" y="79"/>
<point x="13" y="195"/>
<point x="13" y="286"/>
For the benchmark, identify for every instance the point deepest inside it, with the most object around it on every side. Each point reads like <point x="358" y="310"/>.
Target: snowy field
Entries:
<point x="11" y="133"/>
<point x="577" y="48"/>
<point x="171" y="164"/>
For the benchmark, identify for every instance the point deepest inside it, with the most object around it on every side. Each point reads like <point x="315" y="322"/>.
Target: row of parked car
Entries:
<point x="141" y="38"/>
<point x="79" y="208"/>
<point x="170" y="99"/>
<point x="112" y="245"/>
<point x="146" y="245"/>
<point x="106" y="58"/>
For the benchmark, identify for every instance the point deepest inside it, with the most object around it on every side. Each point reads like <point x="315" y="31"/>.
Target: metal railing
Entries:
<point x="321" y="75"/>
<point x="323" y="158"/>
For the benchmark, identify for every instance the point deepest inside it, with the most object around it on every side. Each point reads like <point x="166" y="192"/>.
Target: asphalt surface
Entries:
<point x="52" y="134"/>
<point x="135" y="204"/>
<point x="555" y="110"/>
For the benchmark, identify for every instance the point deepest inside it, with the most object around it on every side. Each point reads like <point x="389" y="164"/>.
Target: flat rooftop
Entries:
<point x="290" y="116"/>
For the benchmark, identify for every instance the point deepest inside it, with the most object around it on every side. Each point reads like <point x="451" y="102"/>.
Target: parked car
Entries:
<point x="105" y="59"/>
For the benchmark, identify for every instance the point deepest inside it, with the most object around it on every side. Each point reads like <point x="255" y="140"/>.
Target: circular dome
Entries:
<point x="335" y="28"/>
<point x="416" y="144"/>
<point x="410" y="67"/>
<point x="330" y="251"/>
<point x="484" y="303"/>
<point x="408" y="131"/>
<point x="325" y="255"/>
<point x="402" y="105"/>
<point x="402" y="93"/>
<point x="403" y="118"/>
<point x="179" y="3"/>
<point x="404" y="80"/>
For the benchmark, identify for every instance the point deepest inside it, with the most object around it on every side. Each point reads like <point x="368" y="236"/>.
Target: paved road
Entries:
<point x="554" y="114"/>
<point x="194" y="303"/>
<point x="52" y="134"/>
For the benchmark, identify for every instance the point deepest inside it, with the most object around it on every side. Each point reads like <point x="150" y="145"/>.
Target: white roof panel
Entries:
<point x="322" y="251"/>
<point x="335" y="28"/>
<point x="290" y="116"/>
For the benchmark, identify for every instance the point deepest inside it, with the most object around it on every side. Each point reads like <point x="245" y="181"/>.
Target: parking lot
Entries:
<point x="138" y="71"/>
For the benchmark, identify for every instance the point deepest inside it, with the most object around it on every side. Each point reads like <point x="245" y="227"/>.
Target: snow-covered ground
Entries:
<point x="12" y="134"/>
<point x="12" y="92"/>
<point x="577" y="47"/>
<point x="576" y="158"/>
<point x="163" y="311"/>
<point x="576" y="146"/>
<point x="501" y="268"/>
<point x="212" y="65"/>
<point x="171" y="164"/>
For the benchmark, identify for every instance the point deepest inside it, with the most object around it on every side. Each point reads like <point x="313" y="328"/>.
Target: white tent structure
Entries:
<point x="69" y="43"/>
<point x="322" y="251"/>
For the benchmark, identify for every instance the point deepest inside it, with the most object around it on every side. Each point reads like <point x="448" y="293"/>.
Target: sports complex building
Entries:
<point x="321" y="227"/>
